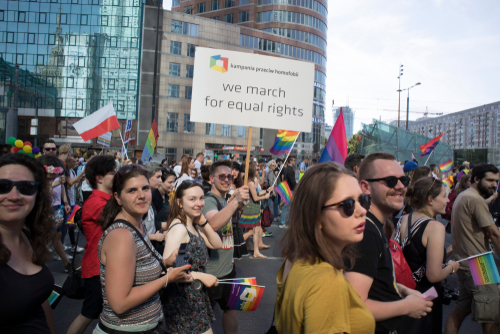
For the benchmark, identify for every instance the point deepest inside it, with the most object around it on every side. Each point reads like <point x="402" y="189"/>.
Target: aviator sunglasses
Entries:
<point x="26" y="188"/>
<point x="349" y="204"/>
<point x="392" y="181"/>
<point x="223" y="177"/>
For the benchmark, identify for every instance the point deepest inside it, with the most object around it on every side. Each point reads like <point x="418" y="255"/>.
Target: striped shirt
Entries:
<point x="147" y="269"/>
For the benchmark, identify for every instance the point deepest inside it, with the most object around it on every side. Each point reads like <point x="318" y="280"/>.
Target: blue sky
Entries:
<point x="451" y="46"/>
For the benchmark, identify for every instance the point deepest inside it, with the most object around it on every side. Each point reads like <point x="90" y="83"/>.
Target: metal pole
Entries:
<point x="407" y="108"/>
<point x="399" y="100"/>
<point x="153" y="112"/>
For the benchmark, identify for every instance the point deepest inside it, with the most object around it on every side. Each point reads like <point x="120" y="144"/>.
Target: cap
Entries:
<point x="409" y="166"/>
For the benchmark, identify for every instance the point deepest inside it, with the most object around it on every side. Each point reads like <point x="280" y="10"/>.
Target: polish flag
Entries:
<point x="97" y="123"/>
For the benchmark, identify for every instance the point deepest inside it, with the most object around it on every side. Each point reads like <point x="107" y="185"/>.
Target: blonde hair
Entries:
<point x="65" y="149"/>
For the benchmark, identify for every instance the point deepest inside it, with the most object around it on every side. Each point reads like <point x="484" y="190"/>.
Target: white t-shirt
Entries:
<point x="197" y="165"/>
<point x="71" y="191"/>
<point x="149" y="222"/>
<point x="56" y="194"/>
<point x="177" y="170"/>
<point x="182" y="179"/>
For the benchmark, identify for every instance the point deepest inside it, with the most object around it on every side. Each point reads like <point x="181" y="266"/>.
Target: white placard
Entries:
<point x="238" y="88"/>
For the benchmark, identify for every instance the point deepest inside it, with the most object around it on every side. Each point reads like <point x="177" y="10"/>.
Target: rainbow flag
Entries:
<point x="247" y="281"/>
<point x="430" y="146"/>
<point x="71" y="218"/>
<point x="150" y="146"/>
<point x="284" y="191"/>
<point x="446" y="167"/>
<point x="336" y="146"/>
<point x="245" y="297"/>
<point x="483" y="269"/>
<point x="448" y="182"/>
<point x="284" y="142"/>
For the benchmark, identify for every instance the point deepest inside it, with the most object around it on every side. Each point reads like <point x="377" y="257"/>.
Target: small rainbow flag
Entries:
<point x="284" y="142"/>
<point x="447" y="181"/>
<point x="245" y="297"/>
<point x="446" y="167"/>
<point x="246" y="281"/>
<point x="430" y="146"/>
<point x="483" y="269"/>
<point x="71" y="219"/>
<point x="284" y="191"/>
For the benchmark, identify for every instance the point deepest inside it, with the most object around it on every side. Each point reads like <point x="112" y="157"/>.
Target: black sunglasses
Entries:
<point x="350" y="204"/>
<point x="223" y="177"/>
<point x="26" y="188"/>
<point x="50" y="149"/>
<point x="392" y="181"/>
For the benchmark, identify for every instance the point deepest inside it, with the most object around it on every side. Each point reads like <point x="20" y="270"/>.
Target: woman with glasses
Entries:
<point x="130" y="267"/>
<point x="327" y="217"/>
<point x="185" y="174"/>
<point x="188" y="309"/>
<point x="250" y="217"/>
<point x="423" y="248"/>
<point x="26" y="228"/>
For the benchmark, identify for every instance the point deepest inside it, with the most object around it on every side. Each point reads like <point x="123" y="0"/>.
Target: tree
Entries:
<point x="352" y="144"/>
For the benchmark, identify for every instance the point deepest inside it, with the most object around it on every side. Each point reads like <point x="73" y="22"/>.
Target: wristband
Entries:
<point x="204" y="224"/>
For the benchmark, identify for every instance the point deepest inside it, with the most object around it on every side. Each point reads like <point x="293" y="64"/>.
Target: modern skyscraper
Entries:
<point x="348" y="119"/>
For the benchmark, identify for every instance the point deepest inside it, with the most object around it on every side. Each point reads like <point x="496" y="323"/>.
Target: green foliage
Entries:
<point x="352" y="144"/>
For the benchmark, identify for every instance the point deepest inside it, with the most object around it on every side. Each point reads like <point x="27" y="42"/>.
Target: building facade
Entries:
<point x="348" y="119"/>
<point x="294" y="29"/>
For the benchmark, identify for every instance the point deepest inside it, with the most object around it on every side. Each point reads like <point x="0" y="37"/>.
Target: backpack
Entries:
<point x="266" y="219"/>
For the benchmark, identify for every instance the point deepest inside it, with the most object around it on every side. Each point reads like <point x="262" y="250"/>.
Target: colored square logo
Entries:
<point x="214" y="66"/>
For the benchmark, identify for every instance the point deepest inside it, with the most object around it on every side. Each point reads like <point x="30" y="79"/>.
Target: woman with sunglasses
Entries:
<point x="250" y="217"/>
<point x="424" y="249"/>
<point x="130" y="266"/>
<point x="188" y="309"/>
<point x="327" y="217"/>
<point x="26" y="228"/>
<point x="185" y="174"/>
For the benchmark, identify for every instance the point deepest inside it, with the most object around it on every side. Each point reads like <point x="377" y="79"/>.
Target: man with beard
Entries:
<point x="472" y="225"/>
<point x="373" y="274"/>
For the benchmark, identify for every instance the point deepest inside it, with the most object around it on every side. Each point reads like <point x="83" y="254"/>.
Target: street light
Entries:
<point x="408" y="103"/>
<point x="399" y="91"/>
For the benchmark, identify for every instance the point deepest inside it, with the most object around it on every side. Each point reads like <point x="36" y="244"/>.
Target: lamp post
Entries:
<point x="399" y="91"/>
<point x="408" y="103"/>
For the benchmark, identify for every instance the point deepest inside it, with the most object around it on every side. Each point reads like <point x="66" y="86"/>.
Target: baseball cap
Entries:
<point x="409" y="166"/>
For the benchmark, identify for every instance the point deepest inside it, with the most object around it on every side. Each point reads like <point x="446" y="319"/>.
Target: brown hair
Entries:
<point x="366" y="169"/>
<point x="252" y="171"/>
<point x="205" y="172"/>
<point x="419" y="193"/>
<point x="215" y="165"/>
<point x="290" y="157"/>
<point x="304" y="239"/>
<point x="185" y="166"/>
<point x="176" y="212"/>
<point x="462" y="183"/>
<point x="420" y="172"/>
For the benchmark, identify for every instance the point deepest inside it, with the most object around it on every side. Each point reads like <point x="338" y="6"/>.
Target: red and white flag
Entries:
<point x="97" y="123"/>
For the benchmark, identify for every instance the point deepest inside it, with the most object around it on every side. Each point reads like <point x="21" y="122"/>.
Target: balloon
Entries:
<point x="19" y="143"/>
<point x="16" y="149"/>
<point x="35" y="150"/>
<point x="11" y="140"/>
<point x="27" y="149"/>
<point x="13" y="149"/>
<point x="31" y="155"/>
<point x="38" y="155"/>
<point x="27" y="143"/>
<point x="21" y="151"/>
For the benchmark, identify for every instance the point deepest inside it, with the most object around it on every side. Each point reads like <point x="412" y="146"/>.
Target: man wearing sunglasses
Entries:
<point x="218" y="214"/>
<point x="49" y="147"/>
<point x="373" y="274"/>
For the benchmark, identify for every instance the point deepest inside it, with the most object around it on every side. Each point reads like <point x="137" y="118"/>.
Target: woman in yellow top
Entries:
<point x="327" y="216"/>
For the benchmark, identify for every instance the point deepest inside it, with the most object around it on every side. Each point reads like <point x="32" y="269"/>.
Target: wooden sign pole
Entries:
<point x="247" y="160"/>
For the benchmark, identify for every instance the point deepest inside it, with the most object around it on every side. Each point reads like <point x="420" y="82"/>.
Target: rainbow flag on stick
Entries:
<point x="150" y="146"/>
<point x="245" y="297"/>
<point x="247" y="281"/>
<point x="71" y="219"/>
<point x="446" y="167"/>
<point x="448" y="181"/>
<point x="284" y="142"/>
<point x="430" y="146"/>
<point x="483" y="269"/>
<point x="284" y="191"/>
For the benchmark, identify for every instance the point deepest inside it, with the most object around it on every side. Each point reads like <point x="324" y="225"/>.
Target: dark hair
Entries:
<point x="198" y="155"/>
<point x="99" y="166"/>
<point x="50" y="160"/>
<point x="366" y="169"/>
<point x="205" y="172"/>
<point x="90" y="153"/>
<point x="215" y="165"/>
<point x="462" y="184"/>
<point x="290" y="157"/>
<point x="420" y="172"/>
<point x="40" y="221"/>
<point x="304" y="239"/>
<point x="432" y="166"/>
<point x="314" y="161"/>
<point x="353" y="160"/>
<point x="112" y="208"/>
<point x="238" y="181"/>
<point x="133" y="159"/>
<point x="49" y="141"/>
<point x="165" y="173"/>
<point x="419" y="193"/>
<point x="185" y="166"/>
<point x="481" y="170"/>
<point x="176" y="211"/>
<point x="252" y="171"/>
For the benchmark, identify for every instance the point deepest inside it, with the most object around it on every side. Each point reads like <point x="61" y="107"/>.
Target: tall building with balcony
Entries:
<point x="348" y="119"/>
<point x="295" y="29"/>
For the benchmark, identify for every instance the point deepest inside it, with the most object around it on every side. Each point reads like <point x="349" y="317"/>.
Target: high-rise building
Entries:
<point x="348" y="119"/>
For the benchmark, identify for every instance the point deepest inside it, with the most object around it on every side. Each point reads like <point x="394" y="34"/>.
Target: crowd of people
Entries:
<point x="140" y="219"/>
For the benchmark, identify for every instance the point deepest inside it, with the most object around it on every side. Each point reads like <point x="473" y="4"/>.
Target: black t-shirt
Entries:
<point x="374" y="259"/>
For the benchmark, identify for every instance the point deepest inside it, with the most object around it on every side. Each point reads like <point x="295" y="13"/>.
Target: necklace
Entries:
<point x="425" y="212"/>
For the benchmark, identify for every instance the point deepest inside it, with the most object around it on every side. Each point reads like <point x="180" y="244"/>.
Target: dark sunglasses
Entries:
<point x="26" y="188"/>
<point x="350" y="204"/>
<point x="50" y="149"/>
<point x="392" y="181"/>
<point x="223" y="177"/>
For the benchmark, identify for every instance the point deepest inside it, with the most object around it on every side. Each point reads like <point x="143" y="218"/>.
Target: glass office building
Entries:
<point x="74" y="57"/>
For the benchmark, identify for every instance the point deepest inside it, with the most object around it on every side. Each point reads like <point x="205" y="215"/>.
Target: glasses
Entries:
<point x="392" y="181"/>
<point x="27" y="188"/>
<point x="348" y="205"/>
<point x="223" y="177"/>
<point x="48" y="149"/>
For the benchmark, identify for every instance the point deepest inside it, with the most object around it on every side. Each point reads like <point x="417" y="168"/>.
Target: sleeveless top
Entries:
<point x="147" y="269"/>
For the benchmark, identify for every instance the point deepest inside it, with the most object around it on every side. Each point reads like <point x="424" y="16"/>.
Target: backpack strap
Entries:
<point x="219" y="205"/>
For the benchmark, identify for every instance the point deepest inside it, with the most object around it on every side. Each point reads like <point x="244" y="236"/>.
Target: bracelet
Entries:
<point x="203" y="225"/>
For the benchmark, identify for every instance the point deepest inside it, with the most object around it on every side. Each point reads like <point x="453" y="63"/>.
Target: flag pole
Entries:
<point x="247" y="160"/>
<point x="283" y="164"/>
<point x="123" y="144"/>
<point x="429" y="157"/>
<point x="473" y="256"/>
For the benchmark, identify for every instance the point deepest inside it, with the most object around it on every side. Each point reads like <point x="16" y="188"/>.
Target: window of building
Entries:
<point x="244" y="2"/>
<point x="225" y="130"/>
<point x="228" y="3"/>
<point x="188" y="10"/>
<point x="191" y="48"/>
<point x="20" y="59"/>
<point x="215" y="18"/>
<point x="174" y="69"/>
<point x="40" y="60"/>
<point x="172" y="121"/>
<point x="188" y="125"/>
<point x="228" y="18"/>
<point x="189" y="71"/>
<point x="2" y="13"/>
<point x="201" y="7"/>
<point x="188" y="92"/>
<point x="132" y="84"/>
<point x="102" y="62"/>
<point x="124" y="21"/>
<point x="104" y="20"/>
<point x="111" y="83"/>
<point x="72" y="40"/>
<point x="31" y="38"/>
<point x="241" y="131"/>
<point x="185" y="28"/>
<point x="176" y="3"/>
<point x="70" y="82"/>
<point x="210" y="129"/>
<point x="123" y="63"/>
<point x="173" y="90"/>
<point x="214" y="5"/>
<point x="21" y="17"/>
<point x="243" y="16"/>
<point x="84" y="20"/>
<point x="187" y="151"/>
<point x="60" y="60"/>
<point x="171" y="152"/>
<point x="175" y="47"/>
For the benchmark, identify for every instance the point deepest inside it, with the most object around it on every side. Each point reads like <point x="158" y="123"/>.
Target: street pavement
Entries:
<point x="257" y="322"/>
